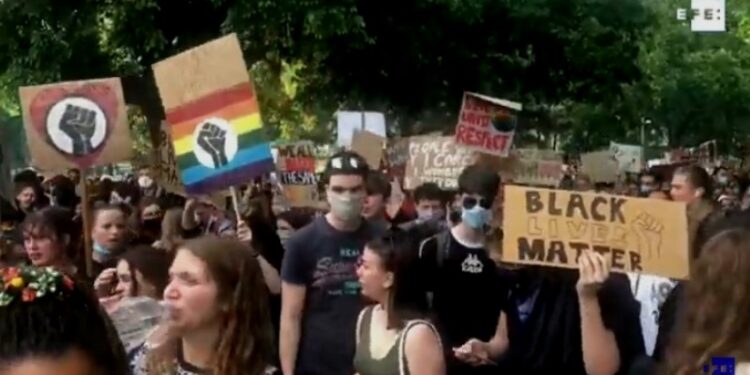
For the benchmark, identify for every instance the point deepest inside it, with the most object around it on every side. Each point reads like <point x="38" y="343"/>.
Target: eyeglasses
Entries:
<point x="470" y="202"/>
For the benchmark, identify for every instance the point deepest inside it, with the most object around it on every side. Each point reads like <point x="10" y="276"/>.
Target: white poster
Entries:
<point x="629" y="157"/>
<point x="351" y="122"/>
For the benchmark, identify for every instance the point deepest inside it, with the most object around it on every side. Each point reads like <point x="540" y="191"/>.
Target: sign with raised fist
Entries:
<point x="76" y="124"/>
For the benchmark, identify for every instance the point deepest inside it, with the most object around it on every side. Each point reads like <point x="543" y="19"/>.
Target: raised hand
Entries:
<point x="212" y="139"/>
<point x="79" y="124"/>
<point x="593" y="272"/>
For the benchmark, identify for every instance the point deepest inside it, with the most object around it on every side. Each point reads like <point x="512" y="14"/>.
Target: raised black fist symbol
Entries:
<point x="79" y="124"/>
<point x="212" y="139"/>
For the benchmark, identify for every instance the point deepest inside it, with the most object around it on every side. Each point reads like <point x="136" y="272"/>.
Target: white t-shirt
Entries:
<point x="650" y="291"/>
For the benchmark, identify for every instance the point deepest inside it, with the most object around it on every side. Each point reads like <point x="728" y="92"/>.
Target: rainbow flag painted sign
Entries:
<point x="216" y="129"/>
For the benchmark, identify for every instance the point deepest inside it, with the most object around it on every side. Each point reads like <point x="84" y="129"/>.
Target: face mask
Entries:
<point x="145" y="182"/>
<point x="646" y="189"/>
<point x="723" y="180"/>
<point x="476" y="217"/>
<point x="346" y="207"/>
<point x="429" y="215"/>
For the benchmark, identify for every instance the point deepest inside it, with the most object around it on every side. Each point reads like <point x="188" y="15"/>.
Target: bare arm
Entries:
<point x="424" y="354"/>
<point x="270" y="275"/>
<point x="499" y="343"/>
<point x="292" y="303"/>
<point x="600" y="353"/>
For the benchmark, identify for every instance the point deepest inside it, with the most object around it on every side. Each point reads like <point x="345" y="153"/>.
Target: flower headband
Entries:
<point x="30" y="283"/>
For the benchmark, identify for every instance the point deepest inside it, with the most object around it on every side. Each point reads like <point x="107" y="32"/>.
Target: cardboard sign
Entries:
<point x="212" y="109"/>
<point x="552" y="228"/>
<point x="487" y="124"/>
<point x="436" y="159"/>
<point x="76" y="124"/>
<point x="600" y="166"/>
<point x="349" y="123"/>
<point x="370" y="146"/>
<point x="629" y="158"/>
<point x="538" y="167"/>
<point x="166" y="166"/>
<point x="296" y="168"/>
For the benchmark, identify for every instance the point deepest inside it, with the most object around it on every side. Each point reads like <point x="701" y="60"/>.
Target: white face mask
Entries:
<point x="145" y="182"/>
<point x="346" y="207"/>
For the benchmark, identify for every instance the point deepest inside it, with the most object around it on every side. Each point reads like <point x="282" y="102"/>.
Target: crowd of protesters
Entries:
<point x="351" y="289"/>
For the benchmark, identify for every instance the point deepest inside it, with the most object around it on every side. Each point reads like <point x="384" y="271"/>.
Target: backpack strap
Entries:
<point x="403" y="368"/>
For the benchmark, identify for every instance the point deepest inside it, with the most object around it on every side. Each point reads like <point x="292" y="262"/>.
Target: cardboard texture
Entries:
<point x="551" y="228"/>
<point x="436" y="159"/>
<point x="76" y="124"/>
<point x="166" y="166"/>
<point x="487" y="124"/>
<point x="296" y="174"/>
<point x="214" y="119"/>
<point x="600" y="166"/>
<point x="370" y="146"/>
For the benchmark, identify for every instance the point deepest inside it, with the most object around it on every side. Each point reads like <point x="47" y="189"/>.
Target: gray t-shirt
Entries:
<point x="324" y="260"/>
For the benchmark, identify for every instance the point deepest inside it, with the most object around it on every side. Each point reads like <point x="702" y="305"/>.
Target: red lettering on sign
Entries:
<point x="300" y="164"/>
<point x="472" y="136"/>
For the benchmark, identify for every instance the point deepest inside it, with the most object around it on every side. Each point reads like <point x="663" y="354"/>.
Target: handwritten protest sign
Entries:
<point x="487" y="124"/>
<point x="370" y="146"/>
<point x="553" y="227"/>
<point x="629" y="157"/>
<point x="169" y="175"/>
<point x="212" y="109"/>
<point x="76" y="124"/>
<point x="296" y="167"/>
<point x="435" y="159"/>
<point x="538" y="167"/>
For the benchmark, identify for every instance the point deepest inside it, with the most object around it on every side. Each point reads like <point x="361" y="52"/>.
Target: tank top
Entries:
<point x="394" y="362"/>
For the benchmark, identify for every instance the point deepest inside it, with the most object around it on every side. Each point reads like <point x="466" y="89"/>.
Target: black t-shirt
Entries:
<point x="324" y="260"/>
<point x="549" y="339"/>
<point x="468" y="293"/>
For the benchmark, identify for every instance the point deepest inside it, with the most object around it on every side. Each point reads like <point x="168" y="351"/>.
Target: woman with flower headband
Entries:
<point x="218" y="321"/>
<point x="49" y="238"/>
<point x="49" y="324"/>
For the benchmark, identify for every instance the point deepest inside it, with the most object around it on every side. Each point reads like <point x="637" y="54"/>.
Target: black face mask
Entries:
<point x="152" y="225"/>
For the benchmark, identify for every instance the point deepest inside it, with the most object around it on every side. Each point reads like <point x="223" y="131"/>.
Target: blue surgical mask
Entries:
<point x="476" y="217"/>
<point x="101" y="249"/>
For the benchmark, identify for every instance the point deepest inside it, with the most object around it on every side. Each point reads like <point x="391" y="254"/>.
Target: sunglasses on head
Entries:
<point x="470" y="202"/>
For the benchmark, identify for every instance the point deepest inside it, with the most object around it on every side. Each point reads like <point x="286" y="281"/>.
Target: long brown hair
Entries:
<point x="715" y="319"/>
<point x="246" y="344"/>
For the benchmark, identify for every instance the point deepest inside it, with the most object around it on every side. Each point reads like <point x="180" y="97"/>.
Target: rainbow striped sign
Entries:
<point x="216" y="129"/>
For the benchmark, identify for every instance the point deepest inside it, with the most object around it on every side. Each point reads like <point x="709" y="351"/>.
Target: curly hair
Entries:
<point x="715" y="319"/>
<point x="56" y="323"/>
<point x="246" y="343"/>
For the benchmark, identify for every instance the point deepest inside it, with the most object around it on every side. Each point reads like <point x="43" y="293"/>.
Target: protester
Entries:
<point x="200" y="218"/>
<point x="108" y="233"/>
<point x="558" y="322"/>
<point x="649" y="183"/>
<point x="320" y="292"/>
<point x="50" y="238"/>
<point x="50" y="324"/>
<point x="457" y="270"/>
<point x="140" y="272"/>
<point x="148" y="187"/>
<point x="431" y="212"/>
<point x="218" y="321"/>
<point x="171" y="231"/>
<point x="150" y="217"/>
<point x="288" y="222"/>
<point x="392" y="336"/>
<point x="26" y="196"/>
<point x="378" y="192"/>
<point x="715" y="321"/>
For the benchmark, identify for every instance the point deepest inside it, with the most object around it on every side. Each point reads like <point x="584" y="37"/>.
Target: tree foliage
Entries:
<point x="587" y="71"/>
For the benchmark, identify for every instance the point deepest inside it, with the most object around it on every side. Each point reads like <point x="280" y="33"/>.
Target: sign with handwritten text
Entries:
<point x="553" y="228"/>
<point x="435" y="159"/>
<point x="487" y="124"/>
<point x="169" y="175"/>
<point x="296" y="167"/>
